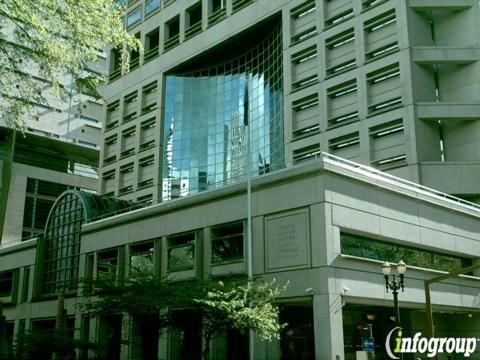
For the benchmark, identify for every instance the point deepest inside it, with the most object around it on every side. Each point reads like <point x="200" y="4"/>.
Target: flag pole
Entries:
<point x="246" y="122"/>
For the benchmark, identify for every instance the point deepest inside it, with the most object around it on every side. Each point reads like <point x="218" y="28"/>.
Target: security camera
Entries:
<point x="309" y="290"/>
<point x="345" y="290"/>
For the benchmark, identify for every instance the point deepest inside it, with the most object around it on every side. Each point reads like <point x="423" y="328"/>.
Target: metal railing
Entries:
<point x="395" y="180"/>
<point x="342" y="163"/>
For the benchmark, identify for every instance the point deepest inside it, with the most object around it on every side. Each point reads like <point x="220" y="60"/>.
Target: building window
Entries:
<point x="135" y="56"/>
<point x="193" y="20"/>
<point x="216" y="11"/>
<point x="107" y="264"/>
<point x="6" y="284"/>
<point x="39" y="199"/>
<point x="133" y="17"/>
<point x="227" y="243"/>
<point x="172" y="33"/>
<point x="364" y="247"/>
<point x="152" y="42"/>
<point x="61" y="245"/>
<point x="181" y="252"/>
<point x="151" y="6"/>
<point x="142" y="258"/>
<point x="115" y="64"/>
<point x="306" y="153"/>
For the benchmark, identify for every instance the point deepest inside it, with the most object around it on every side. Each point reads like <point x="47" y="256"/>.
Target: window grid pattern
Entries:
<point x="204" y="133"/>
<point x="39" y="199"/>
<point x="62" y="245"/>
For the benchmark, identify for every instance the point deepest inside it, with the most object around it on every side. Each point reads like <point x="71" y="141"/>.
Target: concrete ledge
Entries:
<point x="422" y="5"/>
<point x="447" y="111"/>
<point x="425" y="55"/>
<point x="452" y="177"/>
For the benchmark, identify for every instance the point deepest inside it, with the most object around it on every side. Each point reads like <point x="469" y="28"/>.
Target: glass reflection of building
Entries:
<point x="205" y="140"/>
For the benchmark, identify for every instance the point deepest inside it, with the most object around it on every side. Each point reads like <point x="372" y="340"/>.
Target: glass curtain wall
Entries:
<point x="205" y="139"/>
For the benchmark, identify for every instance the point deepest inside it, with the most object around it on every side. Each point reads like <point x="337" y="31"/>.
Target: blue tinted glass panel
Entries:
<point x="134" y="16"/>
<point x="205" y="137"/>
<point x="151" y="6"/>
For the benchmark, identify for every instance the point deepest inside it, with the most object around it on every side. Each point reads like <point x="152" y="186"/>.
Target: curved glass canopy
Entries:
<point x="60" y="247"/>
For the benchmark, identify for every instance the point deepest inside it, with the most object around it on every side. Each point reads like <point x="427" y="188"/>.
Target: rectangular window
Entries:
<point x="39" y="199"/>
<point x="128" y="141"/>
<point x="134" y="16"/>
<point x="130" y="105"/>
<point x="305" y="115"/>
<point x="303" y="21"/>
<point x="340" y="52"/>
<point x="387" y="144"/>
<point x="306" y="153"/>
<point x="381" y="35"/>
<point x="6" y="284"/>
<point x="151" y="6"/>
<point x="113" y="115"/>
<point x="304" y="68"/>
<point x="142" y="258"/>
<point x="172" y="33"/>
<point x="149" y="97"/>
<point x="193" y="23"/>
<point x="146" y="171"/>
<point x="147" y="134"/>
<point x="384" y="89"/>
<point x="152" y="42"/>
<point x="107" y="264"/>
<point x="227" y="243"/>
<point x="217" y="11"/>
<point x="364" y="247"/>
<point x="238" y="5"/>
<point x="135" y="56"/>
<point x="108" y="181"/>
<point x="181" y="252"/>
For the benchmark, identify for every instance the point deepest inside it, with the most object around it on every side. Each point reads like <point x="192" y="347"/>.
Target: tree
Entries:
<point x="235" y="303"/>
<point x="43" y="39"/>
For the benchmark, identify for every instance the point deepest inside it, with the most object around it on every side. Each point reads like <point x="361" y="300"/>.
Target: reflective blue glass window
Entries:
<point x="134" y="16"/>
<point x="151" y="6"/>
<point x="205" y="139"/>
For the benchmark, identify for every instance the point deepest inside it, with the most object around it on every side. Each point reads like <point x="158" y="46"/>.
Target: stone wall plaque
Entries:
<point x="288" y="240"/>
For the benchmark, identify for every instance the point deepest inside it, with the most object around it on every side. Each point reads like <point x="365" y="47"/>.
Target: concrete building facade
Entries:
<point x="383" y="83"/>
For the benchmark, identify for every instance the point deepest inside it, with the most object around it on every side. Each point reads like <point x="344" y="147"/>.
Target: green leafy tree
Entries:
<point x="43" y="39"/>
<point x="235" y="303"/>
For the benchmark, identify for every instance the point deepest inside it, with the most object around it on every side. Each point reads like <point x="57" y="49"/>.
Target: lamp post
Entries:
<point x="394" y="285"/>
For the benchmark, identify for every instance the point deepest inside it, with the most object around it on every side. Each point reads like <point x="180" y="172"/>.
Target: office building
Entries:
<point x="357" y="121"/>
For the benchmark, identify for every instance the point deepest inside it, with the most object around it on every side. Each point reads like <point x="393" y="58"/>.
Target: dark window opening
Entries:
<point x="227" y="243"/>
<point x="6" y="284"/>
<point x="152" y="42"/>
<point x="145" y="332"/>
<point x="185" y="337"/>
<point x="297" y="342"/>
<point x="110" y="337"/>
<point x="172" y="33"/>
<point x="107" y="264"/>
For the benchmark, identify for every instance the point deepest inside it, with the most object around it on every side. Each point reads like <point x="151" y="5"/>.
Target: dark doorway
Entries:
<point x="297" y="342"/>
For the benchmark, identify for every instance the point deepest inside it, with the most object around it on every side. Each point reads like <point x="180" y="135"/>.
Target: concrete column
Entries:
<point x="328" y="327"/>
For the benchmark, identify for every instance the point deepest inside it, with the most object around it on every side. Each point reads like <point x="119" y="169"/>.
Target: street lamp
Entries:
<point x="394" y="285"/>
